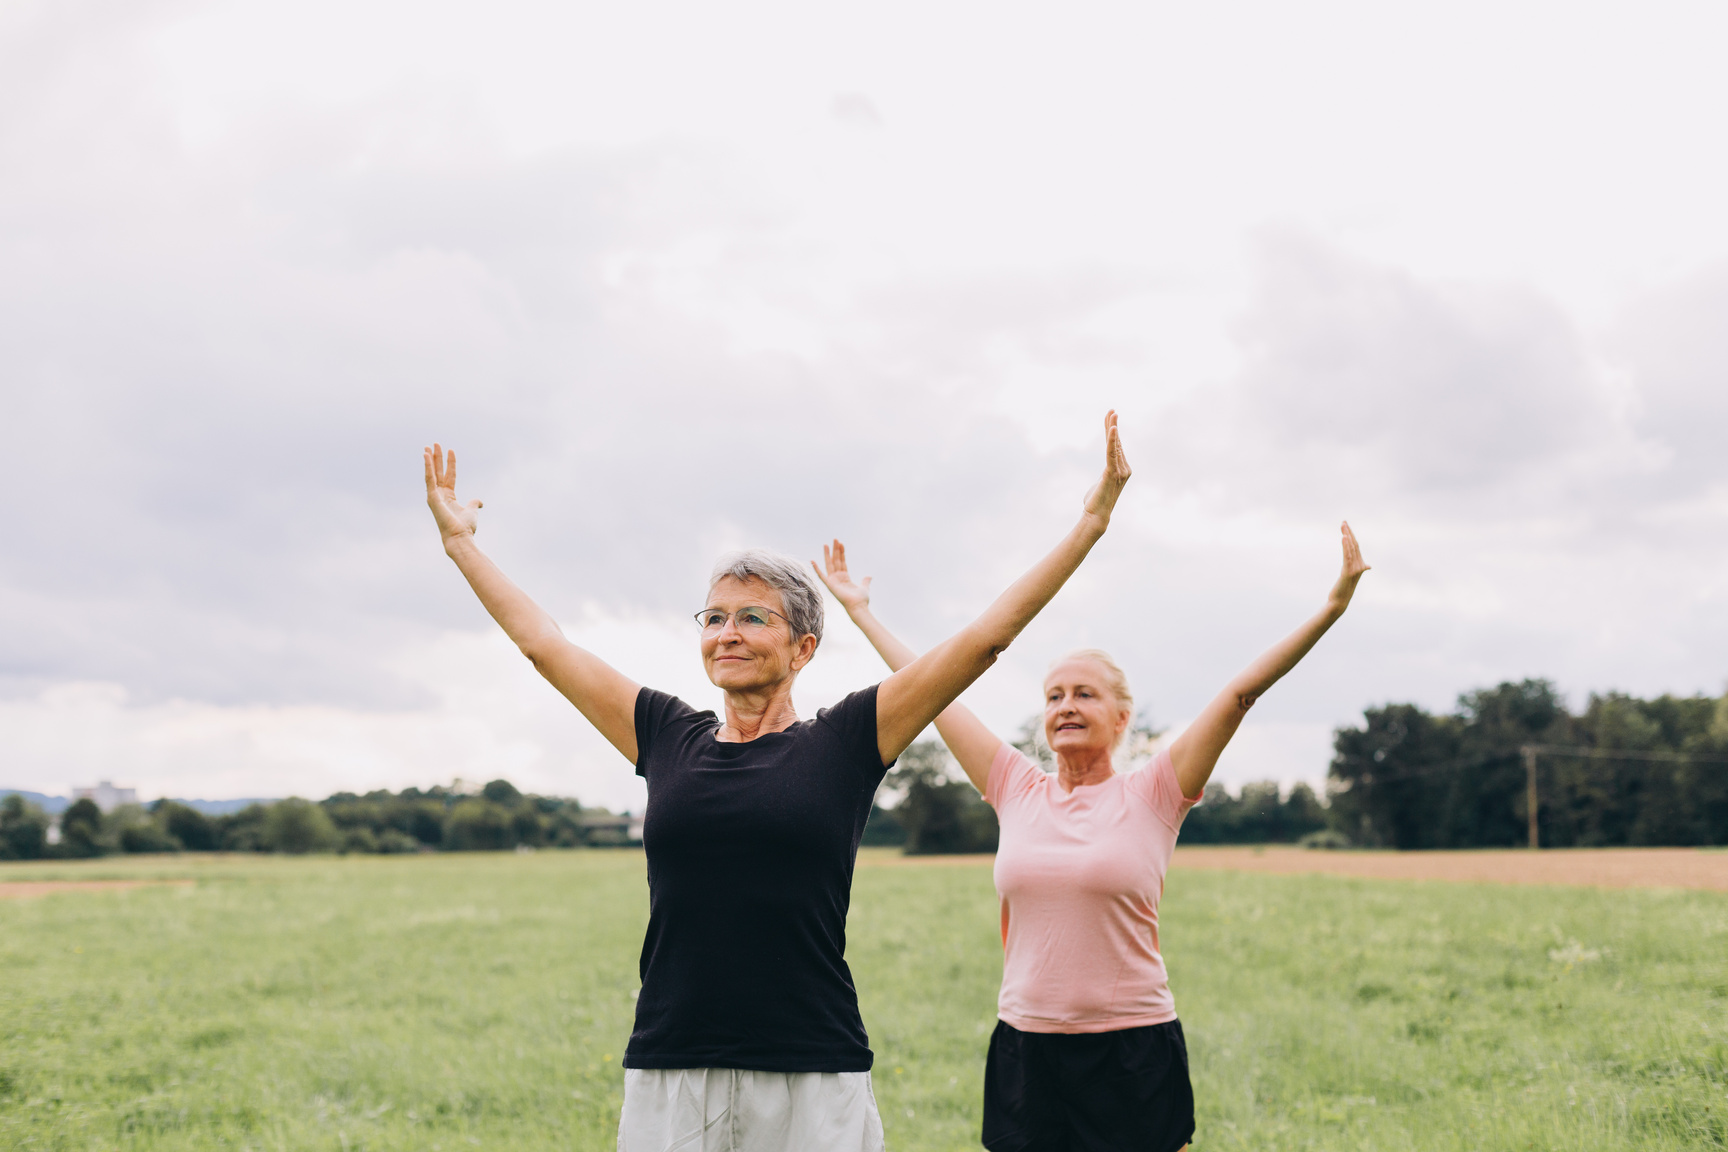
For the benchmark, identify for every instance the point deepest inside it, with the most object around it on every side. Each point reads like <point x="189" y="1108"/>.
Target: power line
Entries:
<point x="1615" y="754"/>
<point x="1479" y="761"/>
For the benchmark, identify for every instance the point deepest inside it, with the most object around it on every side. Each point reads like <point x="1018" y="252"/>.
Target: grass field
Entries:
<point x="461" y="1001"/>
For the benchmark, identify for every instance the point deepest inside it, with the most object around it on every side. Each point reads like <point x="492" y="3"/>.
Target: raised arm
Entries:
<point x="973" y="745"/>
<point x="915" y="694"/>
<point x="1195" y="753"/>
<point x="600" y="692"/>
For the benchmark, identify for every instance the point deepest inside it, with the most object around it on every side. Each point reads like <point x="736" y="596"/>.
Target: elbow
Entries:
<point x="538" y="650"/>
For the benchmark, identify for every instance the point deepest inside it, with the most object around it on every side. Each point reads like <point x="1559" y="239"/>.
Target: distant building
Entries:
<point x="106" y="796"/>
<point x="603" y="828"/>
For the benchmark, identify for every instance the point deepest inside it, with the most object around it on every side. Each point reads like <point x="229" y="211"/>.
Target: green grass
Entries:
<point x="453" y="1002"/>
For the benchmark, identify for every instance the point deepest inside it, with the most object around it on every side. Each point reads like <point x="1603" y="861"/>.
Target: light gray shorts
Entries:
<point x="732" y="1110"/>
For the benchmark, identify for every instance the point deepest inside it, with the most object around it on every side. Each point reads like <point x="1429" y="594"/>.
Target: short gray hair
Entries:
<point x="802" y="600"/>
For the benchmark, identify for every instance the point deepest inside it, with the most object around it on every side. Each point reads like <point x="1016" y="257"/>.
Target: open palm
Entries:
<point x="1351" y="572"/>
<point x="454" y="517"/>
<point x="1102" y="499"/>
<point x="852" y="595"/>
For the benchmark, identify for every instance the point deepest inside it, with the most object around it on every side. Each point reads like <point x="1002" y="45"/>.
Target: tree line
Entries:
<point x="935" y="810"/>
<point x="1624" y="771"/>
<point x="500" y="817"/>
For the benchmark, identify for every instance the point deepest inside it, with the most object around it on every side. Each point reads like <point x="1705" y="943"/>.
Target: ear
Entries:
<point x="805" y="652"/>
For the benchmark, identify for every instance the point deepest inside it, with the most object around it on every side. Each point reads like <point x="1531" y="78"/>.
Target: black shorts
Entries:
<point x="1124" y="1091"/>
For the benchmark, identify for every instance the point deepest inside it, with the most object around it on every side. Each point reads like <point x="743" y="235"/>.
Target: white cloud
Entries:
<point x="629" y="262"/>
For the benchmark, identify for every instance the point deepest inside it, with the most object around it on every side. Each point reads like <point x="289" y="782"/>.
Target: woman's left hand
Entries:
<point x="1102" y="499"/>
<point x="853" y="595"/>
<point x="1354" y="566"/>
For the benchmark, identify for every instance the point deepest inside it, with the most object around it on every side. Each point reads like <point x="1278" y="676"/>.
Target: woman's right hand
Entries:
<point x="455" y="519"/>
<point x="1101" y="500"/>
<point x="854" y="597"/>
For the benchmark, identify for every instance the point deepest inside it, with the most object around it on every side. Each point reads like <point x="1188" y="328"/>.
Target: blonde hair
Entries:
<point x="1115" y="680"/>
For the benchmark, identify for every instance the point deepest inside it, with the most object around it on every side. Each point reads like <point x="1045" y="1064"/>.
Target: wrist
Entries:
<point x="458" y="543"/>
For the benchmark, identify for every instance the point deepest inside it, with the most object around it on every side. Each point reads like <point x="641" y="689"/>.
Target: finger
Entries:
<point x="450" y="473"/>
<point x="839" y="554"/>
<point x="827" y="559"/>
<point x="865" y="584"/>
<point x="438" y="463"/>
<point x="431" y="481"/>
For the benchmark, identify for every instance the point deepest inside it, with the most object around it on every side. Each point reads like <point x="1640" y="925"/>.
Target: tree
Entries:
<point x="883" y="829"/>
<point x="478" y="825"/>
<point x="940" y="814"/>
<point x="186" y="824"/>
<point x="1409" y="779"/>
<point x="501" y="792"/>
<point x="81" y="829"/>
<point x="23" y="829"/>
<point x="243" y="831"/>
<point x="297" y="827"/>
<point x="147" y="836"/>
<point x="1257" y="815"/>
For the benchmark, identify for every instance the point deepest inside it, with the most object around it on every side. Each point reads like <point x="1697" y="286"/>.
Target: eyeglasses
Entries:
<point x="751" y="619"/>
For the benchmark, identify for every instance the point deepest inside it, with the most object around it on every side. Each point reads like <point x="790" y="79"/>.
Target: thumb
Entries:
<point x="865" y="583"/>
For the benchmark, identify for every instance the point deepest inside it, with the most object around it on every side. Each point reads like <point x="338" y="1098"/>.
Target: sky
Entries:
<point x="674" y="278"/>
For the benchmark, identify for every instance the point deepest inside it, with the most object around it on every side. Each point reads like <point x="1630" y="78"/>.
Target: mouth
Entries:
<point x="1070" y="727"/>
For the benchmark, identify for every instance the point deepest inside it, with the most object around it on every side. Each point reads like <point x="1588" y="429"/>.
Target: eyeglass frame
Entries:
<point x="733" y="614"/>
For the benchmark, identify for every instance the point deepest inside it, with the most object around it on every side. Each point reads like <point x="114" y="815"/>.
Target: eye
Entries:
<point x="753" y="617"/>
<point x="713" y="618"/>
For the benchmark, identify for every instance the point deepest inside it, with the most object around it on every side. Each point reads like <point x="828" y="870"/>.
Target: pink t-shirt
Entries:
<point x="1079" y="875"/>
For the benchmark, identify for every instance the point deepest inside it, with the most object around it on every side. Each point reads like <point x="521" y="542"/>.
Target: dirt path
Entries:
<point x="1586" y="867"/>
<point x="25" y="889"/>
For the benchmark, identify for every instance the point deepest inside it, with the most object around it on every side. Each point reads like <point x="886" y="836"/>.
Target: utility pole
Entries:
<point x="1529" y="751"/>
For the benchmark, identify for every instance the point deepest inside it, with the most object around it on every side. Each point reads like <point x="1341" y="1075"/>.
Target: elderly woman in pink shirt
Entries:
<point x="1088" y="1053"/>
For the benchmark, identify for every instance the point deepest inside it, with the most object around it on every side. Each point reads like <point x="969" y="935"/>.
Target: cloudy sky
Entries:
<point x="677" y="277"/>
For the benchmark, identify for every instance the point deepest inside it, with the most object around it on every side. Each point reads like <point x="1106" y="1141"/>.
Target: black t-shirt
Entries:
<point x="750" y="853"/>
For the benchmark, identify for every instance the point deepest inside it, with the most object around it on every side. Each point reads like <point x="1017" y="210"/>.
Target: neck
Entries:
<point x="1088" y="766"/>
<point x="754" y="712"/>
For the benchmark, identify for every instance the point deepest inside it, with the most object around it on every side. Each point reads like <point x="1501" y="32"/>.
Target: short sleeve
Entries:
<point x="853" y="722"/>
<point x="654" y="711"/>
<point x="1011" y="775"/>
<point x="1157" y="785"/>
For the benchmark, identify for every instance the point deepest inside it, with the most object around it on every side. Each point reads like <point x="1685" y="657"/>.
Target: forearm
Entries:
<point x="913" y="696"/>
<point x="1002" y="622"/>
<point x="973" y="745"/>
<point x="524" y="621"/>
<point x="1195" y="753"/>
<point x="894" y="653"/>
<point x="1254" y="680"/>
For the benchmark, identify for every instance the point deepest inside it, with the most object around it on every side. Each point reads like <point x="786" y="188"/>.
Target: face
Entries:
<point x="745" y="659"/>
<point x="1080" y="713"/>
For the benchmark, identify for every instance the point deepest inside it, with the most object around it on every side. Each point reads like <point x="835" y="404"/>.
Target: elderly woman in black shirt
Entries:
<point x="747" y="1034"/>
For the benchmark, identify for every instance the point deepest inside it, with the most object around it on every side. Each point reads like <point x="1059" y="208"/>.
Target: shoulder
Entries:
<point x="661" y="708"/>
<point x="1012" y="774"/>
<point x="657" y="713"/>
<point x="1156" y="785"/>
<point x="853" y="712"/>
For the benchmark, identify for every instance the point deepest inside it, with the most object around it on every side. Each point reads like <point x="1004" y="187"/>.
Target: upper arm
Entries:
<point x="600" y="692"/>
<point x="972" y="744"/>
<point x="1195" y="753"/>
<point x="911" y="698"/>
